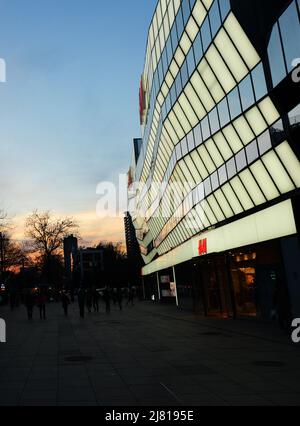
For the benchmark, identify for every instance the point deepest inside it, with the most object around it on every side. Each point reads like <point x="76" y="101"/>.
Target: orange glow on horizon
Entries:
<point x="92" y="229"/>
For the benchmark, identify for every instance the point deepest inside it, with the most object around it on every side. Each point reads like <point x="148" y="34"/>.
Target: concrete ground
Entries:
<point x="147" y="355"/>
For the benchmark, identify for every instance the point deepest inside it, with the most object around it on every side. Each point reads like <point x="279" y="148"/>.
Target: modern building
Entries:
<point x="70" y="255"/>
<point x="217" y="207"/>
<point x="90" y="262"/>
<point x="134" y="258"/>
<point x="132" y="245"/>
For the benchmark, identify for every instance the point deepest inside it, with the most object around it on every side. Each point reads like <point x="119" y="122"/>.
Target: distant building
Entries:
<point x="132" y="245"/>
<point x="70" y="255"/>
<point x="90" y="263"/>
<point x="137" y="147"/>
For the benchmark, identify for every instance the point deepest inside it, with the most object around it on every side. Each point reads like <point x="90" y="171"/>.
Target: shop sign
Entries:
<point x="202" y="249"/>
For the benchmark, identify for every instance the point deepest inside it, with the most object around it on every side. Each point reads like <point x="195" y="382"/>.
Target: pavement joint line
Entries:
<point x="172" y="393"/>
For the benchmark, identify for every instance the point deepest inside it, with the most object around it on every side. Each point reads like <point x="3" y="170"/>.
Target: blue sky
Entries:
<point x="69" y="109"/>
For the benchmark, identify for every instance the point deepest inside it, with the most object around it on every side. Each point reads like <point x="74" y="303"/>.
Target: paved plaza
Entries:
<point x="147" y="355"/>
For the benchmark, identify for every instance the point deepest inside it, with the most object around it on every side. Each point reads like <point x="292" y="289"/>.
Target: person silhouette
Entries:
<point x="65" y="302"/>
<point x="81" y="302"/>
<point x="29" y="303"/>
<point x="130" y="297"/>
<point x="41" y="302"/>
<point x="120" y="298"/>
<point x="106" y="297"/>
<point x="95" y="297"/>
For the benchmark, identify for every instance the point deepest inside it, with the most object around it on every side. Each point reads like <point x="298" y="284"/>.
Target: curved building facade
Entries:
<point x="216" y="193"/>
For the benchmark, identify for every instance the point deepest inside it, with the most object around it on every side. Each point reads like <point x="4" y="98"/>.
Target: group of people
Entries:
<point x="38" y="299"/>
<point x="87" y="299"/>
<point x="90" y="299"/>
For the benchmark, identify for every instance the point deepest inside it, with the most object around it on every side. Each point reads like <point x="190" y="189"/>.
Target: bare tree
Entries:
<point x="47" y="232"/>
<point x="3" y="221"/>
<point x="12" y="253"/>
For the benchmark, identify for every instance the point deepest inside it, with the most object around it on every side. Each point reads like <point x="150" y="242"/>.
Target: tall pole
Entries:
<point x="175" y="282"/>
<point x="158" y="285"/>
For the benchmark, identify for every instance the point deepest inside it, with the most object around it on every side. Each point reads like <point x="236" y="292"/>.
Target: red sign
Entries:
<point x="202" y="247"/>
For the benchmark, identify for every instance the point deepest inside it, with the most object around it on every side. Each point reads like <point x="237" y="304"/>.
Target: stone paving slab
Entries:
<point x="147" y="355"/>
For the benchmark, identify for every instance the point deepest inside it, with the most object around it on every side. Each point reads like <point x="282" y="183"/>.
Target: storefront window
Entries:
<point x="256" y="280"/>
<point x="243" y="280"/>
<point x="215" y="287"/>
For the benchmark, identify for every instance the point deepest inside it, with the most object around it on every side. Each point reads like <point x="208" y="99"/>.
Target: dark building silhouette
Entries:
<point x="91" y="266"/>
<point x="132" y="245"/>
<point x="70" y="255"/>
<point x="137" y="147"/>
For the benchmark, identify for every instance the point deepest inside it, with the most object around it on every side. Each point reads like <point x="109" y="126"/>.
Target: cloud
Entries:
<point x="92" y="229"/>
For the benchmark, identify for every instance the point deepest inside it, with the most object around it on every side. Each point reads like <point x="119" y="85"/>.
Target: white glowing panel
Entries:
<point x="290" y="161"/>
<point x="252" y="187"/>
<point x="264" y="180"/>
<point x="232" y="138"/>
<point x="199" y="13"/>
<point x="256" y="121"/>
<point x="223" y="146"/>
<point x="231" y="55"/>
<point x="241" y="41"/>
<point x="257" y="228"/>
<point x="243" y="129"/>
<point x="279" y="175"/>
<point x="269" y="111"/>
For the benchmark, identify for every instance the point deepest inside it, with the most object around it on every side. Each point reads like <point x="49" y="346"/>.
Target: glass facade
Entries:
<point x="284" y="44"/>
<point x="211" y="125"/>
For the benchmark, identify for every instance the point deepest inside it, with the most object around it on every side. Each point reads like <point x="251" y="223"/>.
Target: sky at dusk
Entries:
<point x="69" y="109"/>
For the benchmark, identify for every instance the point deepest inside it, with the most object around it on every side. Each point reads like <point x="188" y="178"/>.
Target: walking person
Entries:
<point x="130" y="297"/>
<point x="65" y="302"/>
<point x="89" y="301"/>
<point x="120" y="298"/>
<point x="81" y="302"/>
<point x="106" y="297"/>
<point x="41" y="302"/>
<point x="95" y="300"/>
<point x="29" y="303"/>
